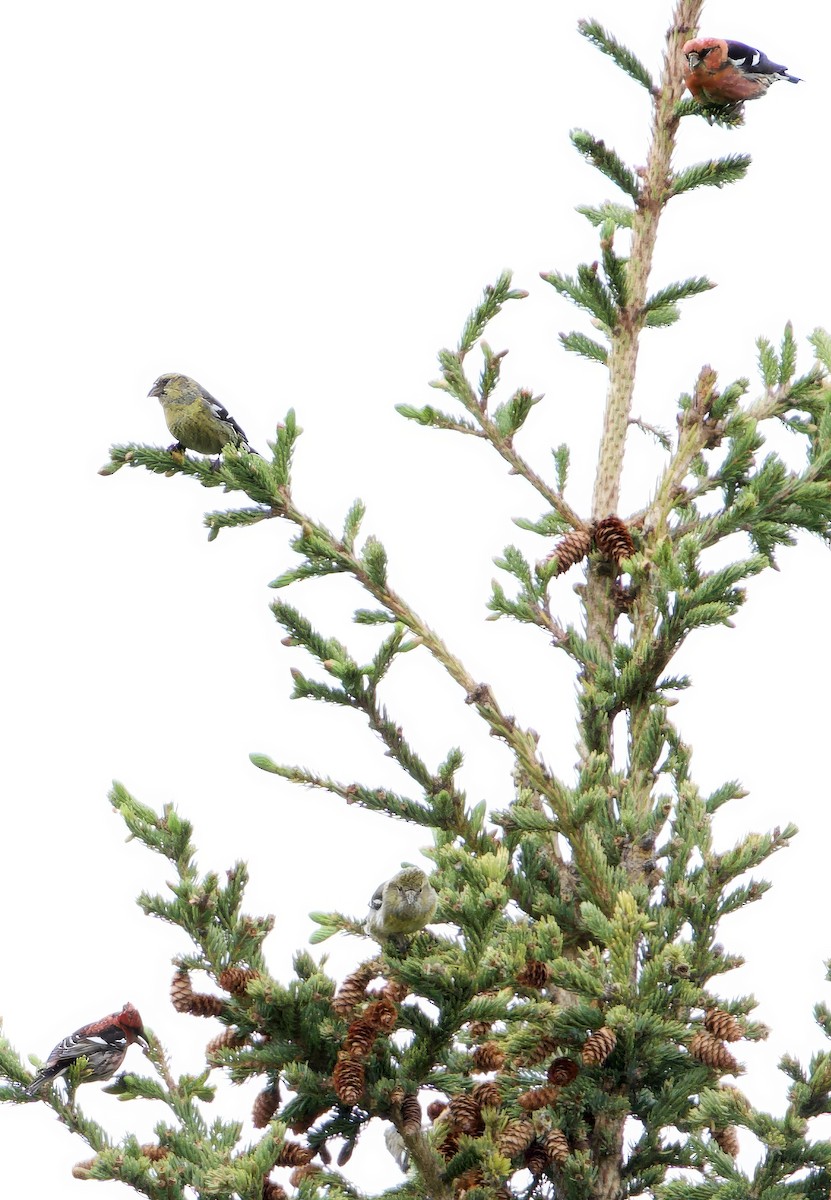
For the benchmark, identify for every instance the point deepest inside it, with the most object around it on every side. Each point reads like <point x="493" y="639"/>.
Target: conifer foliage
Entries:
<point x="575" y="1043"/>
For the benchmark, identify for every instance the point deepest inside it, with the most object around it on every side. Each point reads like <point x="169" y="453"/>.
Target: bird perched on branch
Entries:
<point x="401" y="905"/>
<point x="197" y="420"/>
<point x="721" y="73"/>
<point x="102" y="1043"/>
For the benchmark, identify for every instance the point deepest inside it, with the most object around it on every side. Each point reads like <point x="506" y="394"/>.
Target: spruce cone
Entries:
<point x="273" y="1191"/>
<point x="229" y="1039"/>
<point x="394" y="991"/>
<point x="535" y="1054"/>
<point x="81" y="1170"/>
<point x="722" y="1025"/>
<point x="397" y="1095"/>
<point x="540" y="1097"/>
<point x="353" y="989"/>
<point x="265" y="1106"/>
<point x="613" y="539"/>
<point x="292" y="1154"/>
<point x="622" y="597"/>
<point x="181" y="992"/>
<point x="710" y="1050"/>
<point x="154" y="1151"/>
<point x="465" y="1114"/>
<point x="598" y="1047"/>
<point x="571" y="549"/>
<point x="300" y="1173"/>
<point x="383" y="1014"/>
<point x="360" y="1036"/>
<point x="202" y="1004"/>
<point x="435" y="1108"/>
<point x="449" y="1144"/>
<point x="237" y="979"/>
<point x="473" y="1177"/>
<point x="556" y="1146"/>
<point x="479" y="1029"/>
<point x="562" y="1071"/>
<point x="487" y="1095"/>
<point x="728" y="1140"/>
<point x="534" y="974"/>
<point x="536" y="1159"/>
<point x="488" y="1057"/>
<point x="410" y="1114"/>
<point x="348" y="1079"/>
<point x="516" y="1137"/>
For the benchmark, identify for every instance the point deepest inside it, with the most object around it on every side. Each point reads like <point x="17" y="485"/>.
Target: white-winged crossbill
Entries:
<point x="102" y="1043"/>
<point x="197" y="420"/>
<point x="720" y="72"/>
<point x="403" y="904"/>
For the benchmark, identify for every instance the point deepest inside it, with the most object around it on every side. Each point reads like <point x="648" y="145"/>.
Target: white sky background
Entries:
<point x="299" y="205"/>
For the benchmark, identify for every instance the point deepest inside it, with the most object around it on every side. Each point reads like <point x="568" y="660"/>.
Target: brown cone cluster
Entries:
<point x="598" y="1047"/>
<point x="352" y="991"/>
<point x="487" y="1094"/>
<point x="181" y="991"/>
<point x="613" y="539"/>
<point x="538" y="1052"/>
<point x="154" y="1151"/>
<point x="610" y="536"/>
<point x="273" y="1191"/>
<point x="722" y="1025"/>
<point x="292" y="1154"/>
<point x="556" y="1146"/>
<point x="395" y="991"/>
<point x="265" y="1106"/>
<point x="540" y="1097"/>
<point x="229" y="1039"/>
<point x="516" y="1137"/>
<point x="728" y="1140"/>
<point x="473" y="1177"/>
<point x="622" y="597"/>
<point x="237" y="979"/>
<point x="300" y="1173"/>
<point x="348" y="1078"/>
<point x="708" y="1049"/>
<point x="382" y="1014"/>
<point x="185" y="999"/>
<point x="534" y="974"/>
<point x="536" y="1159"/>
<point x="465" y="1114"/>
<point x="571" y="549"/>
<point x="562" y="1070"/>
<point x="410" y="1114"/>
<point x="488" y="1057"/>
<point x="360" y="1036"/>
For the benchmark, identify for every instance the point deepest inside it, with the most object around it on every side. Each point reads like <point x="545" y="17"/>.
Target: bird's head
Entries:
<point x="697" y="50"/>
<point x="175" y="389"/>
<point x="129" y="1020"/>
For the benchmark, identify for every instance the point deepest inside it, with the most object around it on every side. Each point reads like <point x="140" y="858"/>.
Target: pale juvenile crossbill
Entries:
<point x="197" y="420"/>
<point x="401" y="905"/>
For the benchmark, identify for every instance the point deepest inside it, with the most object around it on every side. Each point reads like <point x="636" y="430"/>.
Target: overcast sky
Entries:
<point x="298" y="205"/>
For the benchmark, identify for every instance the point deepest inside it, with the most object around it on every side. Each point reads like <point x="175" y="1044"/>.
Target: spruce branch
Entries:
<point x="650" y="197"/>
<point x="498" y="427"/>
<point x="624" y="58"/>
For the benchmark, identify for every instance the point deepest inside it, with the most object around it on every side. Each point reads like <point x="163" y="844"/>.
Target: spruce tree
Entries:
<point x="567" y="1037"/>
